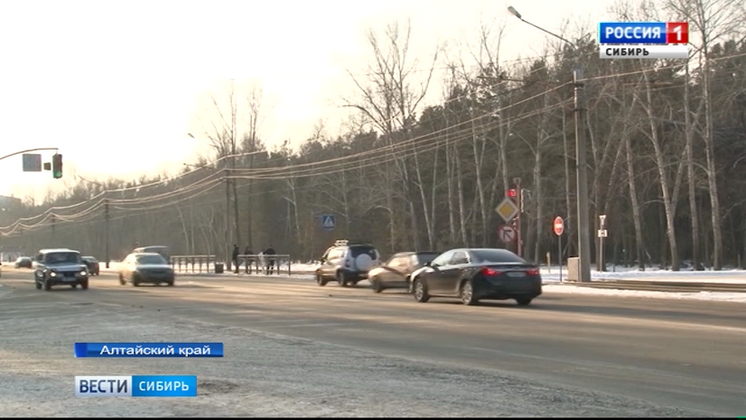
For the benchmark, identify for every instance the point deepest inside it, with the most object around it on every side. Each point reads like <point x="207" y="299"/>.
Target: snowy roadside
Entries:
<point x="262" y="375"/>
<point x="706" y="296"/>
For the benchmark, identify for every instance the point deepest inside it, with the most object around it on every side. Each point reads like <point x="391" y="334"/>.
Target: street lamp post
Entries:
<point x="584" y="237"/>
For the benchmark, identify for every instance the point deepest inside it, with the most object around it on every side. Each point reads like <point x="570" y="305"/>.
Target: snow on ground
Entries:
<point x="707" y="296"/>
<point x="261" y="375"/>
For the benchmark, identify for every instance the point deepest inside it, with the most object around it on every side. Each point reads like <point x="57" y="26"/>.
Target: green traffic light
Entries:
<point x="57" y="166"/>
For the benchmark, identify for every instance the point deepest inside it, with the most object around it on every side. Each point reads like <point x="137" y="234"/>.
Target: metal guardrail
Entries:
<point x="193" y="263"/>
<point x="248" y="263"/>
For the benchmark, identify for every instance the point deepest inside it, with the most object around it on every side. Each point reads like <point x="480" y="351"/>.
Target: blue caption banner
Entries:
<point x="632" y="33"/>
<point x="170" y="386"/>
<point x="149" y="350"/>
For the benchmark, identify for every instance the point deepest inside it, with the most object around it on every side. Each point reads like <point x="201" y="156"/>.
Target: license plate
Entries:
<point x="516" y="274"/>
<point x="68" y="279"/>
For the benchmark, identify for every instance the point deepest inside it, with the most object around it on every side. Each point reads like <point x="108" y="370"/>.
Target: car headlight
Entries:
<point x="83" y="272"/>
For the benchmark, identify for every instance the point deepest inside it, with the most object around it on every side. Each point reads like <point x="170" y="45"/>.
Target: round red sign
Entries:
<point x="559" y="226"/>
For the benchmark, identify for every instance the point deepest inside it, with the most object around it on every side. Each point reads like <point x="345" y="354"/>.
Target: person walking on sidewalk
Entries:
<point x="235" y="258"/>
<point x="270" y="253"/>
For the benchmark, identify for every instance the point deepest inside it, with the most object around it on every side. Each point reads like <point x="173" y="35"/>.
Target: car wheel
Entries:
<point x="84" y="285"/>
<point x="320" y="280"/>
<point x="523" y="301"/>
<point x="121" y="279"/>
<point x="341" y="279"/>
<point x="467" y="294"/>
<point x="74" y="286"/>
<point x="419" y="290"/>
<point x="47" y="285"/>
<point x="38" y="284"/>
<point x="170" y="283"/>
<point x="376" y="284"/>
<point x="135" y="281"/>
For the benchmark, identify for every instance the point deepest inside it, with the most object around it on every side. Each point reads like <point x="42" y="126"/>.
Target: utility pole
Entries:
<point x="584" y="236"/>
<point x="519" y="199"/>
<point x="227" y="218"/>
<point x="106" y="233"/>
<point x="54" y="236"/>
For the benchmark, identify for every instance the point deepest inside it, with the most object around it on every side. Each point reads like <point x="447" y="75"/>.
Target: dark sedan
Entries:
<point x="92" y="265"/>
<point x="474" y="274"/>
<point x="395" y="273"/>
<point x="24" y="262"/>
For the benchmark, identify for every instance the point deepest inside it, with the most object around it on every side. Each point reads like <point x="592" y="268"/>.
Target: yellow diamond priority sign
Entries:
<point x="507" y="210"/>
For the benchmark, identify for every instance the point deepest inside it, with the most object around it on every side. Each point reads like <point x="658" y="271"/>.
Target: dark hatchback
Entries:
<point x="92" y="264"/>
<point x="474" y="274"/>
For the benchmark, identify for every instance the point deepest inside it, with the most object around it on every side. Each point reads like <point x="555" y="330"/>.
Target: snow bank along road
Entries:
<point x="296" y="349"/>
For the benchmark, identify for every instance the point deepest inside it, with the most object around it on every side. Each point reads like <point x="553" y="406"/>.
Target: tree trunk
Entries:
<point x="691" y="174"/>
<point x="636" y="213"/>
<point x="661" y="163"/>
<point x="717" y="232"/>
<point x="460" y="195"/>
<point x="453" y="234"/>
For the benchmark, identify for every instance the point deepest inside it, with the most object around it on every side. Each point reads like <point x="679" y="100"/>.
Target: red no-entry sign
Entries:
<point x="559" y="226"/>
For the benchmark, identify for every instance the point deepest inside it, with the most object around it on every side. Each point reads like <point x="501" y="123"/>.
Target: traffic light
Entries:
<point x="57" y="166"/>
<point x="512" y="193"/>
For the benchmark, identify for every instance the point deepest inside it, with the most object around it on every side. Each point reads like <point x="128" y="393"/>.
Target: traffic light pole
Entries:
<point x="518" y="236"/>
<point x="38" y="149"/>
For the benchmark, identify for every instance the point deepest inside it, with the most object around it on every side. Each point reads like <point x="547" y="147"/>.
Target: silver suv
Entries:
<point x="347" y="263"/>
<point x="61" y="266"/>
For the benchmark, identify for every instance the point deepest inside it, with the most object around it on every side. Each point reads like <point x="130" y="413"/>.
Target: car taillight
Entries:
<point x="532" y="272"/>
<point x="490" y="272"/>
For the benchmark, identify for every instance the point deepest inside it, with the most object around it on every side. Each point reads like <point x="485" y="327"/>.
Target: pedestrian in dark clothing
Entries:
<point x="270" y="252"/>
<point x="235" y="258"/>
<point x="247" y="260"/>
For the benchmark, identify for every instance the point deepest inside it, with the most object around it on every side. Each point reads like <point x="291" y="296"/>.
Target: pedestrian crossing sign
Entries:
<point x="328" y="222"/>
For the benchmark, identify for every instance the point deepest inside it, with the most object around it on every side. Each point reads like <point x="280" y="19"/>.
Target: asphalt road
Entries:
<point x="686" y="354"/>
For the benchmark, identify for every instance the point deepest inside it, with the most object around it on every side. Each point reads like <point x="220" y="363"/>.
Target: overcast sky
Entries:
<point x="117" y="85"/>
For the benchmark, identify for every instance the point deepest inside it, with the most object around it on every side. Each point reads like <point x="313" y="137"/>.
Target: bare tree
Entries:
<point x="255" y="117"/>
<point x="712" y="20"/>
<point x="390" y="101"/>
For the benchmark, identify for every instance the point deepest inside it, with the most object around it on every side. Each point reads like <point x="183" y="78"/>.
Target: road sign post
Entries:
<point x="602" y="233"/>
<point x="328" y="221"/>
<point x="506" y="233"/>
<point x="519" y="240"/>
<point x="559" y="229"/>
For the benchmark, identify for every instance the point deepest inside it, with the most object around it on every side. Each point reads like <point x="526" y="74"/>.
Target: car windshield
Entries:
<point x="89" y="259"/>
<point x="151" y="259"/>
<point x="495" y="256"/>
<point x="426" y="258"/>
<point x="63" y="258"/>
